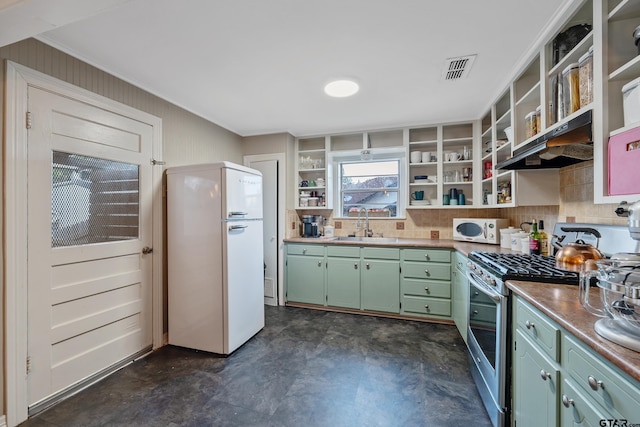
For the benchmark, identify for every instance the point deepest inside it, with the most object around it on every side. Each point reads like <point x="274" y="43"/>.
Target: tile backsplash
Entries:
<point x="576" y="205"/>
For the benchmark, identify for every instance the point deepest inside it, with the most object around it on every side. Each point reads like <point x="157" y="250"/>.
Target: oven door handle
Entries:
<point x="488" y="292"/>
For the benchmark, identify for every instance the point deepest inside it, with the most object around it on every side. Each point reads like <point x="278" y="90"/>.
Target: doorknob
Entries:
<point x="147" y="250"/>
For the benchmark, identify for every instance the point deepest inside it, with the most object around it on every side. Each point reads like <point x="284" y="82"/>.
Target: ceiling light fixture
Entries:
<point x="341" y="88"/>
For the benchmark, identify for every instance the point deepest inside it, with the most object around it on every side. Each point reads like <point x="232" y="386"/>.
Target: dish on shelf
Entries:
<point x="417" y="177"/>
<point x="419" y="202"/>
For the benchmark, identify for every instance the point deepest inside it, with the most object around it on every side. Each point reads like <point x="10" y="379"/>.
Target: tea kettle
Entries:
<point x="578" y="255"/>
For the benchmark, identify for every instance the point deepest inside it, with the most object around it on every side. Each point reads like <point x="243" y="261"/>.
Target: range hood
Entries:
<point x="566" y="144"/>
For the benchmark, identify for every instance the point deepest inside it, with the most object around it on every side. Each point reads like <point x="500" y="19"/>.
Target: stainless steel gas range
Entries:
<point x="489" y="331"/>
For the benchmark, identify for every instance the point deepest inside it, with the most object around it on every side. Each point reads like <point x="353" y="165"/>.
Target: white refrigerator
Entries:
<point x="215" y="256"/>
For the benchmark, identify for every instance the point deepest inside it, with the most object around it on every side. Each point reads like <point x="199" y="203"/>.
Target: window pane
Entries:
<point x="92" y="200"/>
<point x="372" y="185"/>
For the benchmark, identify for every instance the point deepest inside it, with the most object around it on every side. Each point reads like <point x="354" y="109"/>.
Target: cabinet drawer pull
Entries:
<point x="368" y="266"/>
<point x="426" y="307"/>
<point x="355" y="265"/>
<point x="426" y="256"/>
<point x="566" y="401"/>
<point x="529" y="325"/>
<point x="319" y="263"/>
<point x="545" y="375"/>
<point x="304" y="252"/>
<point x="594" y="383"/>
<point x="426" y="289"/>
<point x="426" y="270"/>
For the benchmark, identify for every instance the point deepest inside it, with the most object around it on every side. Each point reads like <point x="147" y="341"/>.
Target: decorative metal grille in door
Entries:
<point x="93" y="200"/>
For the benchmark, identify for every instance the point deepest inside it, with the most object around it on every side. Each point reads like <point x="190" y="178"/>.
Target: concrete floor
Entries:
<point x="306" y="368"/>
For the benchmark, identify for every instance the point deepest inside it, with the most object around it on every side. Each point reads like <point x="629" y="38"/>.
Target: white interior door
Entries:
<point x="269" y="169"/>
<point x="89" y="207"/>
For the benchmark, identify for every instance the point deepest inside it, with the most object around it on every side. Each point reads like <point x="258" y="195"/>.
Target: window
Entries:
<point x="375" y="185"/>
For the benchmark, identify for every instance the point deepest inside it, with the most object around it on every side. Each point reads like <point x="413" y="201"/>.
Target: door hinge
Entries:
<point x="28" y="364"/>
<point x="155" y="162"/>
<point x="28" y="120"/>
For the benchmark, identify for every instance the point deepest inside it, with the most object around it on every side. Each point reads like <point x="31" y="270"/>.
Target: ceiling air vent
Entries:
<point x="457" y="68"/>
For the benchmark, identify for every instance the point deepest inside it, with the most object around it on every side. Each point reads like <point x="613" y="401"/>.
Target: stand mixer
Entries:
<point x="619" y="281"/>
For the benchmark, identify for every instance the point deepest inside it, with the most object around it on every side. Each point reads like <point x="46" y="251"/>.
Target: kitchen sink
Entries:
<point x="367" y="239"/>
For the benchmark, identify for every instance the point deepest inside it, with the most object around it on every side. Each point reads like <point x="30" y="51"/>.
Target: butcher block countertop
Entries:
<point x="561" y="304"/>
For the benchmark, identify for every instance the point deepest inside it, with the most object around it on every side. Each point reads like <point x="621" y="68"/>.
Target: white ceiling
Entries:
<point x="259" y="66"/>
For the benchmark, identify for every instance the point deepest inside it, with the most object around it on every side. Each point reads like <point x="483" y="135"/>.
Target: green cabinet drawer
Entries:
<point x="425" y="288"/>
<point x="426" y="270"/>
<point x="600" y="381"/>
<point x="305" y="249"/>
<point x="343" y="251"/>
<point x="534" y="324"/>
<point x="431" y="255"/>
<point x="426" y="306"/>
<point x="581" y="411"/>
<point x="380" y="253"/>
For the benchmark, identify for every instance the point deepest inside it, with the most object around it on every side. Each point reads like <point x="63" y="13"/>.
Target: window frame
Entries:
<point x="335" y="159"/>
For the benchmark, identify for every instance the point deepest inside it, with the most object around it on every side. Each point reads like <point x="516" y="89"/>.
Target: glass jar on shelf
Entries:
<point x="585" y="76"/>
<point x="571" y="88"/>
<point x="530" y="124"/>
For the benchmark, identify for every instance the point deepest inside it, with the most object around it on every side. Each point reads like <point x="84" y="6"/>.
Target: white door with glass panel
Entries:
<point x="89" y="238"/>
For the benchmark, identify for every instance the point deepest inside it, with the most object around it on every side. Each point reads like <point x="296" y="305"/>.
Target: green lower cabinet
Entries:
<point x="536" y="386"/>
<point x="593" y="392"/>
<point x="305" y="279"/>
<point x="425" y="284"/>
<point x="343" y="282"/>
<point x="460" y="293"/>
<point x="380" y="285"/>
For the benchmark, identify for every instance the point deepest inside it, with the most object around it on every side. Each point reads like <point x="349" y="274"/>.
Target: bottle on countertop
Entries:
<point x="544" y="239"/>
<point x="534" y="239"/>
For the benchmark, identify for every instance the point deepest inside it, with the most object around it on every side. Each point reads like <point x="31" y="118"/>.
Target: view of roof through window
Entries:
<point x="372" y="185"/>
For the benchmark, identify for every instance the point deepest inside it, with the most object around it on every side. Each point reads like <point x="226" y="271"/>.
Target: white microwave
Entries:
<point x="478" y="230"/>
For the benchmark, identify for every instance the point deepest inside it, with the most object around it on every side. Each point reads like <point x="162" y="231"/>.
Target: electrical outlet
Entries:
<point x="571" y="219"/>
<point x="435" y="234"/>
<point x="399" y="225"/>
<point x="293" y="225"/>
<point x="337" y="225"/>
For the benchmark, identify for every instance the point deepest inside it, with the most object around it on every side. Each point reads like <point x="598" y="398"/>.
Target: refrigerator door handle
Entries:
<point x="233" y="214"/>
<point x="237" y="227"/>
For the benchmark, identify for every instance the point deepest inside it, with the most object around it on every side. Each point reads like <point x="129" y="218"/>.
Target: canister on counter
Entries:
<point x="539" y="118"/>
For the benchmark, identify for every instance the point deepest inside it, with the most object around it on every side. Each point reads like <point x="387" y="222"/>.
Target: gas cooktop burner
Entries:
<point x="533" y="268"/>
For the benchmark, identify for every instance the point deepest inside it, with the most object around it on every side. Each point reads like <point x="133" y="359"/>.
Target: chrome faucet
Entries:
<point x="366" y="229"/>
